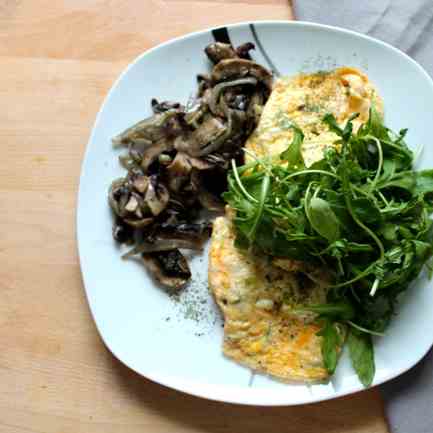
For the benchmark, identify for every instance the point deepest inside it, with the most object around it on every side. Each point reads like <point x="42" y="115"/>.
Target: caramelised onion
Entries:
<point x="217" y="90"/>
<point x="229" y="69"/>
<point x="163" y="245"/>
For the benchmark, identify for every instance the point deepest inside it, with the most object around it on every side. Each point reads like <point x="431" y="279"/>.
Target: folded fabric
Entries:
<point x="406" y="24"/>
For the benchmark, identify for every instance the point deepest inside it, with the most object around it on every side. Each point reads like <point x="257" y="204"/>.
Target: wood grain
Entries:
<point x="57" y="61"/>
<point x="116" y="30"/>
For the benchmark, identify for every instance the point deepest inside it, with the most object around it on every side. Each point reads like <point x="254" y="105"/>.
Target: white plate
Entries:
<point x="178" y="344"/>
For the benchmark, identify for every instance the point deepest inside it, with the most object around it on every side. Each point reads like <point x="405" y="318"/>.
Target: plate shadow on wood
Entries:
<point x="196" y="414"/>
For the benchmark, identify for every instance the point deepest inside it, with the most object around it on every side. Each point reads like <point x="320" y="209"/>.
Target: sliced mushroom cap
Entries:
<point x="194" y="117"/>
<point x="157" y="195"/>
<point x="205" y="98"/>
<point x="127" y="162"/>
<point x="170" y="268"/>
<point x="243" y="51"/>
<point x="140" y="183"/>
<point x="237" y="101"/>
<point x="178" y="171"/>
<point x="153" y="152"/>
<point x="149" y="130"/>
<point x="204" y="82"/>
<point x="234" y="131"/>
<point x="122" y="233"/>
<point x="127" y="204"/>
<point x="118" y="196"/>
<point x="203" y="144"/>
<point x="163" y="245"/>
<point x="239" y="68"/>
<point x="200" y="164"/>
<point x="132" y="160"/>
<point x="217" y="160"/>
<point x="255" y="107"/>
<point x="161" y="107"/>
<point x="165" y="159"/>
<point x="191" y="189"/>
<point x="238" y="118"/>
<point x="196" y="231"/>
<point x="139" y="223"/>
<point x="174" y="126"/>
<point x="218" y="51"/>
<point x="132" y="204"/>
<point x="218" y="89"/>
<point x="207" y="133"/>
<point x="210" y="201"/>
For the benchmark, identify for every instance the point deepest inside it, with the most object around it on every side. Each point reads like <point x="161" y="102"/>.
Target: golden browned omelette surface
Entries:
<point x="304" y="100"/>
<point x="258" y="296"/>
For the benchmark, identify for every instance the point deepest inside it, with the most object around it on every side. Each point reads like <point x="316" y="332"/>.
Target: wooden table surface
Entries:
<point x="57" y="61"/>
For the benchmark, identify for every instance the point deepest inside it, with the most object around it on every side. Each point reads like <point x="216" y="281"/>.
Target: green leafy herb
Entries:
<point x="293" y="154"/>
<point x="331" y="344"/>
<point x="362" y="356"/>
<point x="336" y="311"/>
<point x="322" y="219"/>
<point x="361" y="212"/>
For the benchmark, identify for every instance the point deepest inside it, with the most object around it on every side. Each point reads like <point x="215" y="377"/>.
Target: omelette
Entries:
<point x="260" y="297"/>
<point x="304" y="100"/>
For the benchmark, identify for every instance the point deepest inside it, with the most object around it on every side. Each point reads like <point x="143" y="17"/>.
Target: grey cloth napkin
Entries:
<point x="408" y="25"/>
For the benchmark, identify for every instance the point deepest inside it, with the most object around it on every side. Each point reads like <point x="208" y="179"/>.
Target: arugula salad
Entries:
<point x="362" y="211"/>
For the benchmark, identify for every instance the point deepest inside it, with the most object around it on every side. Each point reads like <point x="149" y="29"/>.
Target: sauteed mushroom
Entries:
<point x="170" y="268"/>
<point x="195" y="231"/>
<point x="230" y="69"/>
<point x="158" y="245"/>
<point x="161" y="107"/>
<point x="146" y="131"/>
<point x="219" y="88"/>
<point x="123" y="233"/>
<point x="157" y="195"/>
<point x="177" y="161"/>
<point x="219" y="51"/>
<point x="243" y="51"/>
